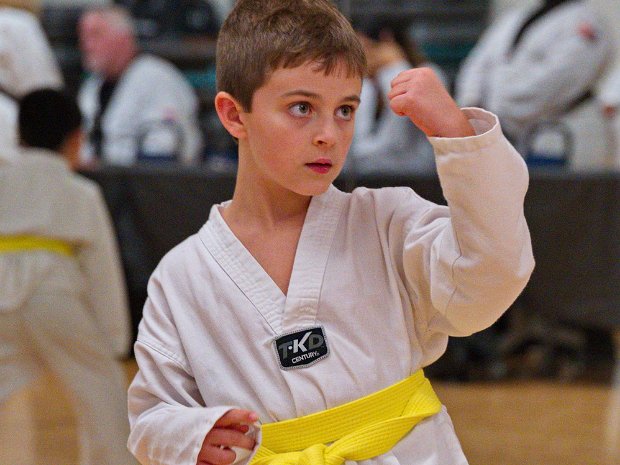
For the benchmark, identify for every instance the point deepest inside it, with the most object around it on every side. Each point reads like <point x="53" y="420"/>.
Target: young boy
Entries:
<point x="63" y="304"/>
<point x="295" y="298"/>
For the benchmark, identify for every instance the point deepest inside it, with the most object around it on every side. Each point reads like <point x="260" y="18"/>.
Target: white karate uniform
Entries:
<point x="65" y="314"/>
<point x="389" y="144"/>
<point x="149" y="94"/>
<point x="387" y="274"/>
<point x="27" y="61"/>
<point x="560" y="56"/>
<point x="8" y="131"/>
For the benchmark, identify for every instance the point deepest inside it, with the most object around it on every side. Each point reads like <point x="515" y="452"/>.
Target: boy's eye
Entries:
<point x="300" y="109"/>
<point x="346" y="112"/>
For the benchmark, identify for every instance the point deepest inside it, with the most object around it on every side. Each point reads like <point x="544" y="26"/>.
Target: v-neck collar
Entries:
<point x="299" y="307"/>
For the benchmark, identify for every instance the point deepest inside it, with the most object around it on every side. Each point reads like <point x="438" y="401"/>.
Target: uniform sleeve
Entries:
<point x="466" y="264"/>
<point x="8" y="130"/>
<point x="100" y="260"/>
<point x="555" y="76"/>
<point x="167" y="416"/>
<point x="88" y="103"/>
<point x="28" y="60"/>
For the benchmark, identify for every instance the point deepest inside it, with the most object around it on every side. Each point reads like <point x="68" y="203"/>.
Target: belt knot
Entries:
<point x="356" y="431"/>
<point x="317" y="454"/>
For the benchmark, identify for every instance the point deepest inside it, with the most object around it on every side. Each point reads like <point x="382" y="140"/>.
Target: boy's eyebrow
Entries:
<point x="308" y="94"/>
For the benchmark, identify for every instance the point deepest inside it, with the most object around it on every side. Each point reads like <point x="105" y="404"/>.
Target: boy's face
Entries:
<point x="300" y="127"/>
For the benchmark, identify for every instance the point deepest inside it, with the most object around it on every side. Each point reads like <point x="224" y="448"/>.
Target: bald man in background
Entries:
<point x="137" y="107"/>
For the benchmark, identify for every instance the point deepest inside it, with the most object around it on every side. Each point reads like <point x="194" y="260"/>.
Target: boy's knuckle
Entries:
<point x="221" y="456"/>
<point x="248" y="443"/>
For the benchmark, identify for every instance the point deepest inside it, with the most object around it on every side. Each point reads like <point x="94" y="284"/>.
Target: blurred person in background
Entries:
<point x="62" y="296"/>
<point x="541" y="64"/>
<point x="136" y="106"/>
<point x="27" y="62"/>
<point x="383" y="141"/>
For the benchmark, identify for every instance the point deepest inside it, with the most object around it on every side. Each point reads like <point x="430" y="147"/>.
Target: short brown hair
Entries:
<point x="260" y="36"/>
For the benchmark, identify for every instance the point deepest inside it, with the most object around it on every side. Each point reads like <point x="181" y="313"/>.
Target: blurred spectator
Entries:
<point x="383" y="141"/>
<point x="26" y="63"/>
<point x="26" y="58"/>
<point x="540" y="64"/>
<point x="137" y="107"/>
<point x="62" y="297"/>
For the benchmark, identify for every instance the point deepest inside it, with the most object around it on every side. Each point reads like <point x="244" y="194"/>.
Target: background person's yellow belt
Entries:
<point x="25" y="243"/>
<point x="358" y="430"/>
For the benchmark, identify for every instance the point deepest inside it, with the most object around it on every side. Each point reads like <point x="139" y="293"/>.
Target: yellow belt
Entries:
<point x="358" y="430"/>
<point x="27" y="243"/>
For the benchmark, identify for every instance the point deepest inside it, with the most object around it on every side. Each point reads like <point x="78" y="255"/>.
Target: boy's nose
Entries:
<point x="326" y="134"/>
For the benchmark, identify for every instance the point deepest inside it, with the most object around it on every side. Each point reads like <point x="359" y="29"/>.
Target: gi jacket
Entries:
<point x="386" y="275"/>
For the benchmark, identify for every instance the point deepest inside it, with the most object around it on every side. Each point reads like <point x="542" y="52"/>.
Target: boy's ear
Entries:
<point x="229" y="111"/>
<point x="71" y="147"/>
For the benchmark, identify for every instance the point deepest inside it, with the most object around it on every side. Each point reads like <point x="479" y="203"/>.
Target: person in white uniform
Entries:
<point x="294" y="297"/>
<point x="542" y="64"/>
<point x="8" y="134"/>
<point x="384" y="142"/>
<point x="136" y="106"/>
<point x="27" y="62"/>
<point x="62" y="296"/>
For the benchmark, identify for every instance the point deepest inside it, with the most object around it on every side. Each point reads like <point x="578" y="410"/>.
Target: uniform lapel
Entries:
<point x="299" y="308"/>
<point x="315" y="243"/>
<point x="243" y="269"/>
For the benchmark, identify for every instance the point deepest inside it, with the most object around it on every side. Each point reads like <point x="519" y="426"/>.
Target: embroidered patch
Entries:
<point x="302" y="348"/>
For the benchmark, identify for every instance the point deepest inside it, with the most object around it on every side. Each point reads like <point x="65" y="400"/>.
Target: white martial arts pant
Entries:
<point x="55" y="332"/>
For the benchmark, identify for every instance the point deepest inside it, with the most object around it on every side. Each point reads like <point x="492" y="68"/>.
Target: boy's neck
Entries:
<point x="267" y="219"/>
<point x="260" y="203"/>
<point x="265" y="208"/>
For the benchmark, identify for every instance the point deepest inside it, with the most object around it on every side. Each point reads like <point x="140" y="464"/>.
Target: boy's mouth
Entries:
<point x="321" y="166"/>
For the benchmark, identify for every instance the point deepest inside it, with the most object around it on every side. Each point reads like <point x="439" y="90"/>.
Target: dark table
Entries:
<point x="574" y="219"/>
